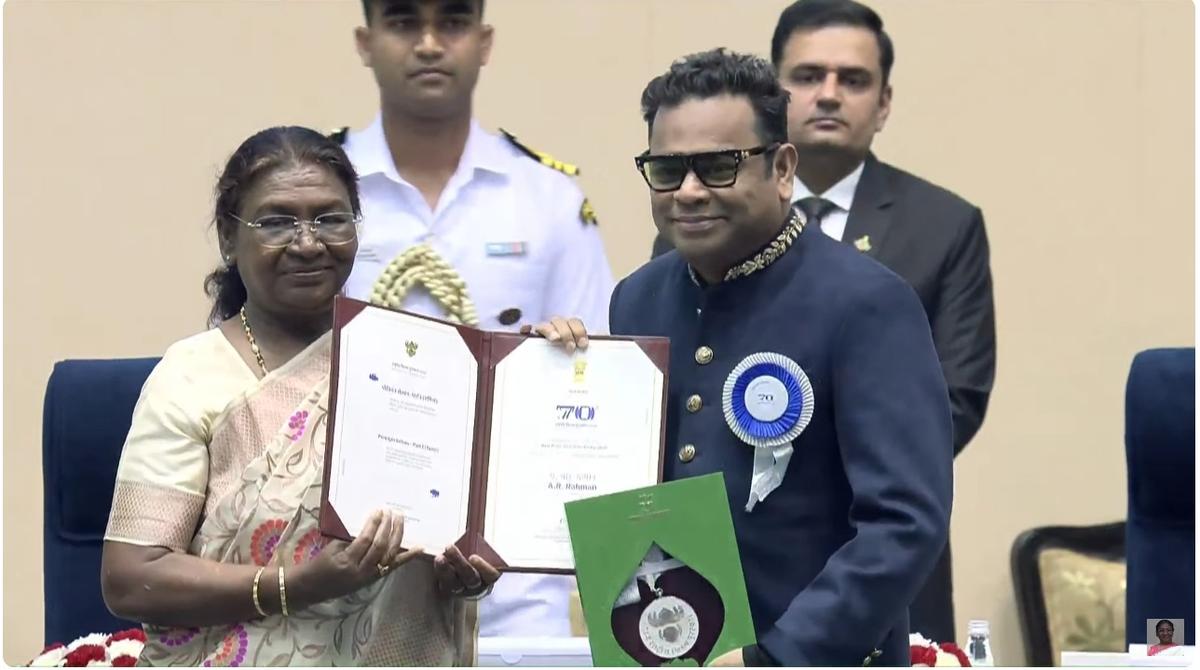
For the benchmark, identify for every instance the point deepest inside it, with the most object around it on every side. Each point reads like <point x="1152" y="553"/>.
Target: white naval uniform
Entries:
<point x="511" y="228"/>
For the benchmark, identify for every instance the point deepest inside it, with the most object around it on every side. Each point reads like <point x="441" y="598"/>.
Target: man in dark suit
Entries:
<point x="835" y="60"/>
<point x="801" y="370"/>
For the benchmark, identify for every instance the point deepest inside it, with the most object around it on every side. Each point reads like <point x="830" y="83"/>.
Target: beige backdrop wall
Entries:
<point x="1069" y="123"/>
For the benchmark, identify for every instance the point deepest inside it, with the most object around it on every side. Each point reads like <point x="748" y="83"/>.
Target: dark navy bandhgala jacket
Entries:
<point x="834" y="556"/>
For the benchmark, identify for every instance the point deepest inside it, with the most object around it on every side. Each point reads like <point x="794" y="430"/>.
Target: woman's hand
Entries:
<point x="458" y="576"/>
<point x="570" y="333"/>
<point x="343" y="567"/>
<point x="170" y="588"/>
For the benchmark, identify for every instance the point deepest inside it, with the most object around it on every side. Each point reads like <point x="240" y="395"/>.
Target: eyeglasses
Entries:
<point x="714" y="169"/>
<point x="280" y="230"/>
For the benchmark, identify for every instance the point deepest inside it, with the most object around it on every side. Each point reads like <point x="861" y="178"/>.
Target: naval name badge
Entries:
<point x="501" y="249"/>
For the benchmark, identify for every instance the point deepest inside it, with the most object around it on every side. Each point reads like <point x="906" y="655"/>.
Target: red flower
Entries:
<point x="309" y="546"/>
<point x="265" y="539"/>
<point x="951" y="648"/>
<point x="131" y="634"/>
<point x="82" y="655"/>
<point x="124" y="661"/>
<point x="923" y="655"/>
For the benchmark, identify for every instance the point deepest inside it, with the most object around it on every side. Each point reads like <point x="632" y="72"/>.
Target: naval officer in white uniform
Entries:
<point x="466" y="225"/>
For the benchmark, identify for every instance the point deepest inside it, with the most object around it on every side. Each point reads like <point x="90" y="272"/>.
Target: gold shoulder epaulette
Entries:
<point x="339" y="134"/>
<point x="541" y="157"/>
<point x="586" y="213"/>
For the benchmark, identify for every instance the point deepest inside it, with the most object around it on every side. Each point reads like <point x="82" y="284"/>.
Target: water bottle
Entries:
<point x="979" y="644"/>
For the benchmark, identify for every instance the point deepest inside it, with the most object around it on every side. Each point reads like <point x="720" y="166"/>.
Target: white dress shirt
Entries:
<point x="509" y="225"/>
<point x="841" y="195"/>
<point x="511" y="228"/>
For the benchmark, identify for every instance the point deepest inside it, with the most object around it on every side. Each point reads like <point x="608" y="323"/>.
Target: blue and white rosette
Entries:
<point x="768" y="402"/>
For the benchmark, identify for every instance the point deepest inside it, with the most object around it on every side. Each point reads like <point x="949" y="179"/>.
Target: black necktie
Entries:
<point x="815" y="209"/>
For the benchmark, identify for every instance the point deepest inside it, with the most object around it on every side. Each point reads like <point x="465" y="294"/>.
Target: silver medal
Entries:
<point x="669" y="627"/>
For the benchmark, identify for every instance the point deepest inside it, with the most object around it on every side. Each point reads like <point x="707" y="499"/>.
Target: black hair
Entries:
<point x="1166" y="621"/>
<point x="722" y="72"/>
<point x="267" y="150"/>
<point x="366" y="5"/>
<point x="813" y="14"/>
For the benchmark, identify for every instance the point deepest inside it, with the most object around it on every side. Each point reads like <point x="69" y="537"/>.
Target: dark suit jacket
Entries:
<point x="833" y="557"/>
<point x="935" y="240"/>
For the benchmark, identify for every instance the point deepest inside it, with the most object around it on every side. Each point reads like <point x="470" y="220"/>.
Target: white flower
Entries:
<point x="124" y="647"/>
<point x="95" y="638"/>
<point x="918" y="640"/>
<point x="50" y="659"/>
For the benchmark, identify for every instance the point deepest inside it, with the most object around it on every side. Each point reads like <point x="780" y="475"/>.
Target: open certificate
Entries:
<point x="480" y="438"/>
<point x="566" y="427"/>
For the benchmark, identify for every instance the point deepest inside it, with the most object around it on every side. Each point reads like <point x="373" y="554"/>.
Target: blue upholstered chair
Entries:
<point x="1160" y="452"/>
<point x="85" y="419"/>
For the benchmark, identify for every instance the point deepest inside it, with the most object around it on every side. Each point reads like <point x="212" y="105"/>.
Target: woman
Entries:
<point x="213" y="540"/>
<point x="1164" y="630"/>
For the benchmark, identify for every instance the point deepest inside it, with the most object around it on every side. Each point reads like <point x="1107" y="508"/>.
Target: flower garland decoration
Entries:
<point x="118" y="650"/>
<point x="926" y="653"/>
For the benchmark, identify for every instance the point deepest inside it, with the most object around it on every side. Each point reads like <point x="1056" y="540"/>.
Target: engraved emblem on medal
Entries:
<point x="669" y="627"/>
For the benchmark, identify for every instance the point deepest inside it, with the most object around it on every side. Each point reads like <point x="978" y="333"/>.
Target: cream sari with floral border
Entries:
<point x="259" y="505"/>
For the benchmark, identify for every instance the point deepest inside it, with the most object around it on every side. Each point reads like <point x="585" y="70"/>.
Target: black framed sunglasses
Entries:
<point x="714" y="169"/>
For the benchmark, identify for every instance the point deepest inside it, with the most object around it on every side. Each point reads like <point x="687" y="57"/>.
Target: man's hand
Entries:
<point x="459" y="576"/>
<point x="730" y="659"/>
<point x="570" y="333"/>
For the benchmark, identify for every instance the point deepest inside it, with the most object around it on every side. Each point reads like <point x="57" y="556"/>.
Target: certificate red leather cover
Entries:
<point x="488" y="348"/>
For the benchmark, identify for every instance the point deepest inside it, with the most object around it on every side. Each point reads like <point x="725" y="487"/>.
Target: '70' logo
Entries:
<point x="577" y="412"/>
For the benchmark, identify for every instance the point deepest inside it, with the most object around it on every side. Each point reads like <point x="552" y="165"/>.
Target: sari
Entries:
<point x="1156" y="649"/>
<point x="259" y="505"/>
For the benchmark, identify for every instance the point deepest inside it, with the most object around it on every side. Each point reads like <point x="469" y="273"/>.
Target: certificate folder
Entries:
<point x="480" y="437"/>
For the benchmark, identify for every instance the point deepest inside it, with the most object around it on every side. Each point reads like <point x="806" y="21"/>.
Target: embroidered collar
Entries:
<point x="767" y="255"/>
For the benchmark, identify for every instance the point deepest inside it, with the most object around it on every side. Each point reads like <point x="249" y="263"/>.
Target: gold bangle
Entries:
<point x="254" y="593"/>
<point x="282" y="593"/>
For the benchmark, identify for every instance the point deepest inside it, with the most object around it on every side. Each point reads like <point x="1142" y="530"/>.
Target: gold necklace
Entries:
<point x="253" y="344"/>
